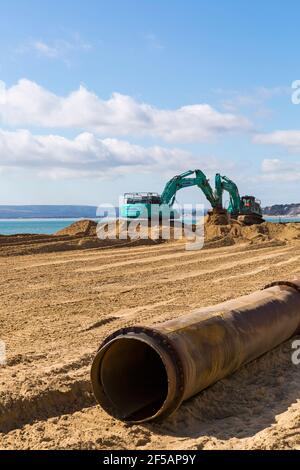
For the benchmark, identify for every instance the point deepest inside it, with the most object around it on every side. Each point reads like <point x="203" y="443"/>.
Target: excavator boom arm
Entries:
<point x="225" y="184"/>
<point x="183" y="181"/>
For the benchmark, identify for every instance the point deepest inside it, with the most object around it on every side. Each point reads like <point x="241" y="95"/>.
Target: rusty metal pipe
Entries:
<point x="142" y="373"/>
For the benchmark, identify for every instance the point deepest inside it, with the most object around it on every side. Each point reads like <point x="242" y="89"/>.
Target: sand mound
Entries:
<point x="121" y="229"/>
<point x="236" y="232"/>
<point x="216" y="232"/>
<point x="84" y="227"/>
<point x="105" y="231"/>
<point x="87" y="234"/>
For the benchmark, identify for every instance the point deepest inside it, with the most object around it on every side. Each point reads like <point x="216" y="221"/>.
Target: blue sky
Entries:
<point x="165" y="86"/>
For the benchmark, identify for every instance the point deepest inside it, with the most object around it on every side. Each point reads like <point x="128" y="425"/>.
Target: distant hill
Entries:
<point x="41" y="211"/>
<point x="288" y="210"/>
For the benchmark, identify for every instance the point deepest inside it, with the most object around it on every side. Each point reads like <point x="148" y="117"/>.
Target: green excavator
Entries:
<point x="146" y="205"/>
<point x="246" y="209"/>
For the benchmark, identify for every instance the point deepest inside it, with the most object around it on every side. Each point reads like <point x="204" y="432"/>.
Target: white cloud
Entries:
<point x="45" y="49"/>
<point x="274" y="169"/>
<point x="28" y="104"/>
<point x="255" y="98"/>
<point x="256" y="102"/>
<point x="289" y="139"/>
<point x="57" y="49"/>
<point x="88" y="156"/>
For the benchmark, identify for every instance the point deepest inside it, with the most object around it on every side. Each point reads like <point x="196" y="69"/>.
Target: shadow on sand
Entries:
<point x="241" y="405"/>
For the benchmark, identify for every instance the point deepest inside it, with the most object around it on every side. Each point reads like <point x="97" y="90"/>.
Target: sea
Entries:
<point x="50" y="226"/>
<point x="33" y="226"/>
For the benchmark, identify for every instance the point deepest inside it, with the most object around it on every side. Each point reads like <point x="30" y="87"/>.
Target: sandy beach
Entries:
<point x="61" y="297"/>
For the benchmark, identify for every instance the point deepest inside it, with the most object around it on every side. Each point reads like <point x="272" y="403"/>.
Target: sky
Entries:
<point x="99" y="98"/>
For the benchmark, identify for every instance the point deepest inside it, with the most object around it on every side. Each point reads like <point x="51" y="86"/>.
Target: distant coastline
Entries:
<point x="15" y="212"/>
<point x="282" y="210"/>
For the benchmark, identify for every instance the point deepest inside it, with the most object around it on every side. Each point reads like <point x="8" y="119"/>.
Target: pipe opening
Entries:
<point x="134" y="379"/>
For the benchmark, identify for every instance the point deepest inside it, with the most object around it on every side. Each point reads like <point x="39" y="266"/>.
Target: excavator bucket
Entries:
<point x="218" y="216"/>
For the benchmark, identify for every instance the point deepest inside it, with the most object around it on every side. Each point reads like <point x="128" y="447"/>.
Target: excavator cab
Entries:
<point x="141" y="198"/>
<point x="250" y="211"/>
<point x="139" y="205"/>
<point x="145" y="205"/>
<point x="251" y="205"/>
